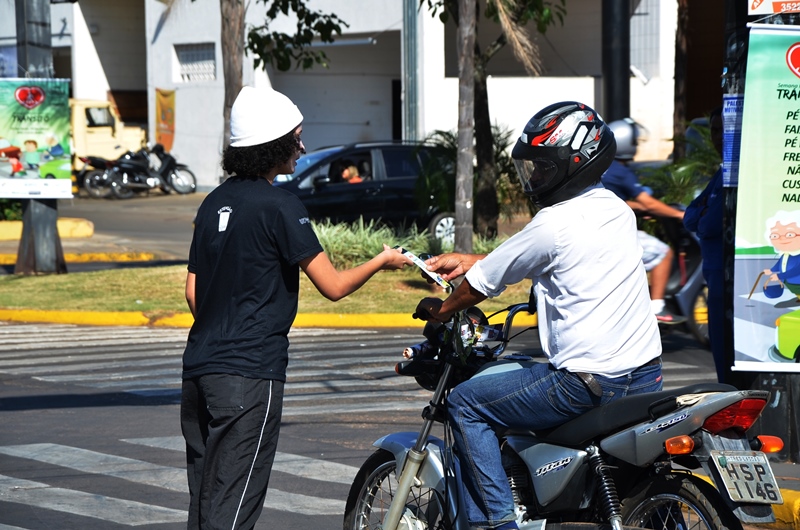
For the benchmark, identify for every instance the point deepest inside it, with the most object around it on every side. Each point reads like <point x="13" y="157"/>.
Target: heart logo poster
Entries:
<point x="766" y="302"/>
<point x="35" y="138"/>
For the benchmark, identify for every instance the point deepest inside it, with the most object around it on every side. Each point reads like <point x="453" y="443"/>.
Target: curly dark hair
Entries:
<point x="255" y="161"/>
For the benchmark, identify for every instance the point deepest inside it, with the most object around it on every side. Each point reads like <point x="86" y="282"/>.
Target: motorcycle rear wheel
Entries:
<point x="96" y="184"/>
<point x="183" y="181"/>
<point x="697" y="320"/>
<point x="677" y="501"/>
<point x="372" y="493"/>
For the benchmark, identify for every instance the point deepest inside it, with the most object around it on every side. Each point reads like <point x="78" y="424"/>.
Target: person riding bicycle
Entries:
<point x="595" y="325"/>
<point x="620" y="179"/>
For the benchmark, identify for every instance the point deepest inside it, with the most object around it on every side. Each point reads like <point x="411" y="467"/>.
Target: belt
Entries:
<point x="594" y="387"/>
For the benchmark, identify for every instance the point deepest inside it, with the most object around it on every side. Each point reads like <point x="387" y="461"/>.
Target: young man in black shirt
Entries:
<point x="250" y="241"/>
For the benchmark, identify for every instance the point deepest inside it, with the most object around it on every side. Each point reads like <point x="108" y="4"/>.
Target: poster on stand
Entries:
<point x="35" y="161"/>
<point x="766" y="305"/>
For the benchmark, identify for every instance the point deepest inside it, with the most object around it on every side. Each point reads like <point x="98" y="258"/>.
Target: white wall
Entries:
<point x="198" y="105"/>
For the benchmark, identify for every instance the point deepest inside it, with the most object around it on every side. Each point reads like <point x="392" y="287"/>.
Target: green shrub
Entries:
<point x="10" y="210"/>
<point x="348" y="245"/>
<point x="679" y="181"/>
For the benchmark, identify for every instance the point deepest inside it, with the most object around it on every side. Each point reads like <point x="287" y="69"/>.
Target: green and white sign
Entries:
<point x="35" y="157"/>
<point x="767" y="255"/>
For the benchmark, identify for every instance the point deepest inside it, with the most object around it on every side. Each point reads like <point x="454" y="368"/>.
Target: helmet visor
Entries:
<point x="536" y="175"/>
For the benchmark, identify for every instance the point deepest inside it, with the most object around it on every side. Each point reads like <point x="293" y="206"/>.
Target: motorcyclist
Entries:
<point x="620" y="179"/>
<point x="595" y="325"/>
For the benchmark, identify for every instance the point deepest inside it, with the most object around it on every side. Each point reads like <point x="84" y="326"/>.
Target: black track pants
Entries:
<point x="231" y="425"/>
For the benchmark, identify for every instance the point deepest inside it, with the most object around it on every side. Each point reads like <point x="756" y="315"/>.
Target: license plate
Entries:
<point x="747" y="476"/>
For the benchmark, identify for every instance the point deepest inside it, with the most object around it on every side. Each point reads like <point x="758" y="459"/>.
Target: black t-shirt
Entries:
<point x="248" y="240"/>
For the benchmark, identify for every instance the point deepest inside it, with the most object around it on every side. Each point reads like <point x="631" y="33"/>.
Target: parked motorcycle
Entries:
<point x="145" y="170"/>
<point x="686" y="293"/>
<point x="631" y="463"/>
<point x="95" y="177"/>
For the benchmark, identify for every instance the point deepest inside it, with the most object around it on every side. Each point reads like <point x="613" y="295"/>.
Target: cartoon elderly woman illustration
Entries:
<point x="783" y="233"/>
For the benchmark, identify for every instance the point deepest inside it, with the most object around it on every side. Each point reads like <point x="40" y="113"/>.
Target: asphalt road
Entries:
<point x="91" y="437"/>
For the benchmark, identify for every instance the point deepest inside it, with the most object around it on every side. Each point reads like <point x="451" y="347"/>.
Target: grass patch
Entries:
<point x="159" y="291"/>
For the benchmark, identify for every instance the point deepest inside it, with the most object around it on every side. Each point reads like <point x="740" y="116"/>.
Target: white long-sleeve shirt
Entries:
<point x="590" y="284"/>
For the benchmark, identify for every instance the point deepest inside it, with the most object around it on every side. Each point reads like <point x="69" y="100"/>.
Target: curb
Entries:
<point x="185" y="320"/>
<point x="787" y="515"/>
<point x="68" y="227"/>
<point x="89" y="257"/>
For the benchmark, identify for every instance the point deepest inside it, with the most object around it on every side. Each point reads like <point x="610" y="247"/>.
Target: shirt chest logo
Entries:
<point x="224" y="216"/>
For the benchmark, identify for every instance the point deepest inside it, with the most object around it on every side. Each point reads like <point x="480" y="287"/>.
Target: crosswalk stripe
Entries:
<point x="120" y="511"/>
<point x="174" y="479"/>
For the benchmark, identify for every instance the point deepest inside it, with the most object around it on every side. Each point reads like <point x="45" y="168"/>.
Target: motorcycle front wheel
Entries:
<point x="96" y="184"/>
<point x="373" y="490"/>
<point x="677" y="502"/>
<point x="119" y="189"/>
<point x="183" y="181"/>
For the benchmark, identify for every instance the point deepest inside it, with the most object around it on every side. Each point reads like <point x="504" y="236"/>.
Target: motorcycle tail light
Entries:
<point x="740" y="415"/>
<point x="83" y="159"/>
<point x="679" y="445"/>
<point x="767" y="443"/>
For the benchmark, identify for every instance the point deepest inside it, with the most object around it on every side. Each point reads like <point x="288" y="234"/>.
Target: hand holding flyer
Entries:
<point x="444" y="284"/>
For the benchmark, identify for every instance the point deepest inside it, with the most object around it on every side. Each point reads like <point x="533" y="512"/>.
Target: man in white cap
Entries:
<point x="250" y="240"/>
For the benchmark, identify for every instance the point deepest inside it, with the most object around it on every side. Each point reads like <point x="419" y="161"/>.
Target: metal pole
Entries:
<point x="40" y="248"/>
<point x="616" y="56"/>
<point x="410" y="66"/>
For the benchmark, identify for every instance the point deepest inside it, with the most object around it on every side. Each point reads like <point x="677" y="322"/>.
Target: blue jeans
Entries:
<point x="532" y="398"/>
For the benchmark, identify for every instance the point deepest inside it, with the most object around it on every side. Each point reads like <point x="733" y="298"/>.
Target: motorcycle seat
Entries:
<point x="622" y="413"/>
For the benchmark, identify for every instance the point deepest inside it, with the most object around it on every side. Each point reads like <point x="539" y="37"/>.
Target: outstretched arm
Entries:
<point x="441" y="310"/>
<point x="644" y="202"/>
<point x="335" y="285"/>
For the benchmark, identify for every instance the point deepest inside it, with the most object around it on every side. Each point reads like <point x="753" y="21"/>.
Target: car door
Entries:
<point x="329" y="196"/>
<point x="400" y="169"/>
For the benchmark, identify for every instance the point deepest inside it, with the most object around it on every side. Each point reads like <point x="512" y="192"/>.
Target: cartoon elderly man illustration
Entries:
<point x="783" y="233"/>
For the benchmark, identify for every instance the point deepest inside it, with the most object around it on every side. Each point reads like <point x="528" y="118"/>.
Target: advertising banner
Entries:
<point x="34" y="139"/>
<point x="165" y="118"/>
<point x="771" y="7"/>
<point x="766" y="306"/>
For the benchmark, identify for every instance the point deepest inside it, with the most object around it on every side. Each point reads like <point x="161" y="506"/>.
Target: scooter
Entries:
<point x="631" y="463"/>
<point x="145" y="170"/>
<point x="686" y="293"/>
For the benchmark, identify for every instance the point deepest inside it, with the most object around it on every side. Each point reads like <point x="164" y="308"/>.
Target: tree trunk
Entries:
<point x="466" y="101"/>
<point x="486" y="208"/>
<point x="232" y="43"/>
<point x="681" y="50"/>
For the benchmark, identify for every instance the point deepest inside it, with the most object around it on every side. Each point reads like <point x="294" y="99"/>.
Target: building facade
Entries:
<point x="392" y="74"/>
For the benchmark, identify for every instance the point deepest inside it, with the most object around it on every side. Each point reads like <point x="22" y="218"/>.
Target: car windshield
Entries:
<point x="306" y="161"/>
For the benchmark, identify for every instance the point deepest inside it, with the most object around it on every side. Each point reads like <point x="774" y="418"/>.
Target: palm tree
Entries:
<point x="513" y="17"/>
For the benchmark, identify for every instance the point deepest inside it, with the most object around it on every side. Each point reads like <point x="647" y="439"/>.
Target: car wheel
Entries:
<point x="442" y="228"/>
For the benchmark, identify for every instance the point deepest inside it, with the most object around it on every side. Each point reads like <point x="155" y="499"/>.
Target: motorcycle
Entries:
<point x="94" y="177"/>
<point x="145" y="170"/>
<point x="631" y="463"/>
<point x="686" y="292"/>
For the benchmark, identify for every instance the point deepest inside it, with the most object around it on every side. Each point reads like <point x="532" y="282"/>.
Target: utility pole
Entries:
<point x="40" y="248"/>
<point x="616" y="55"/>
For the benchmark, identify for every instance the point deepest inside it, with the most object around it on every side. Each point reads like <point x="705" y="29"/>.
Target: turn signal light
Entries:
<point x="769" y="444"/>
<point x="741" y="415"/>
<point x="679" y="445"/>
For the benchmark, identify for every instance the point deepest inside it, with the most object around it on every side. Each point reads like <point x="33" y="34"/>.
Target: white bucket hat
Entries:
<point x="261" y="115"/>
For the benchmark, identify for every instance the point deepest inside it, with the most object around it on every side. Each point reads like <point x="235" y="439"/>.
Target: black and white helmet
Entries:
<point x="563" y="149"/>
